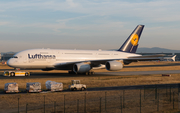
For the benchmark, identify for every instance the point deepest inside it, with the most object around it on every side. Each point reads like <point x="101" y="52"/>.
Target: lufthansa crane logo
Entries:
<point x="134" y="39"/>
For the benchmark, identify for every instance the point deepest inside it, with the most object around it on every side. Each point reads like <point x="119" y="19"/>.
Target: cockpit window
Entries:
<point x="15" y="57"/>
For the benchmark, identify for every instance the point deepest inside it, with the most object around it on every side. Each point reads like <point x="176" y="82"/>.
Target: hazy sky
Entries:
<point x="87" y="24"/>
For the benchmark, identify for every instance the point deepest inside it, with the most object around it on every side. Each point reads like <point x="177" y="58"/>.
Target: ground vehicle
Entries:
<point x="33" y="87"/>
<point x="11" y="88"/>
<point x="54" y="86"/>
<point x="77" y="86"/>
<point x="16" y="73"/>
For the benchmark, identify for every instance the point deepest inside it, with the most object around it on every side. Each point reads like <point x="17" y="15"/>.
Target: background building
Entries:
<point x="6" y="56"/>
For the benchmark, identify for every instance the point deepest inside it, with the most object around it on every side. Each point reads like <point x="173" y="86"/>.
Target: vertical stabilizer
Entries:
<point x="131" y="44"/>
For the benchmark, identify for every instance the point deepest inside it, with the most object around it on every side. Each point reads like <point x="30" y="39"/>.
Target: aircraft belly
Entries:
<point x="65" y="67"/>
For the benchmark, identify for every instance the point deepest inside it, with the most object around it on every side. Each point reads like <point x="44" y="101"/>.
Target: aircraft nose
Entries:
<point x="10" y="62"/>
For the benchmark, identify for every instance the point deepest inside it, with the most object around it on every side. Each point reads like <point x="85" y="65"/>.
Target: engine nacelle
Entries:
<point x="81" y="68"/>
<point x="114" y="65"/>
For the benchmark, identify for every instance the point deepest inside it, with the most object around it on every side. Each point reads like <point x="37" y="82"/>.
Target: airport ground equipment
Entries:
<point x="11" y="88"/>
<point x="77" y="86"/>
<point x="16" y="73"/>
<point x="54" y="86"/>
<point x="33" y="87"/>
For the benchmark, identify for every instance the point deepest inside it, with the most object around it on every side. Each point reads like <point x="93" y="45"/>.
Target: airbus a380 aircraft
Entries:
<point x="81" y="61"/>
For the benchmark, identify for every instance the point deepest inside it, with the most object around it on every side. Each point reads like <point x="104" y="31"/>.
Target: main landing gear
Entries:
<point x="86" y="73"/>
<point x="89" y="73"/>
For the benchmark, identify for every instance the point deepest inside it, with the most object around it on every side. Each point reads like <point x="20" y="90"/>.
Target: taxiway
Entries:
<point x="61" y="75"/>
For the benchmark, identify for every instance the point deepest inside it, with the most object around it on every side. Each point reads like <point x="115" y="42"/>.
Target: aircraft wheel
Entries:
<point x="26" y="74"/>
<point x="92" y="73"/>
<point x="70" y="72"/>
<point x="12" y="74"/>
<point x="82" y="89"/>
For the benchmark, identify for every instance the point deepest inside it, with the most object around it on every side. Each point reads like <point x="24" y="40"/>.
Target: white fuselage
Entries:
<point x="49" y="58"/>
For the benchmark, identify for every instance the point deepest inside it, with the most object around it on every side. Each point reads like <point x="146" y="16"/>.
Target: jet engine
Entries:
<point x="81" y="68"/>
<point x="114" y="65"/>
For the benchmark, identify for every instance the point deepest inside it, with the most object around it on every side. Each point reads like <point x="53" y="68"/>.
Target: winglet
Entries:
<point x="131" y="44"/>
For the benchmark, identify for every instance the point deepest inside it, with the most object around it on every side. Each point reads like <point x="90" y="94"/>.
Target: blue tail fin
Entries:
<point x="131" y="44"/>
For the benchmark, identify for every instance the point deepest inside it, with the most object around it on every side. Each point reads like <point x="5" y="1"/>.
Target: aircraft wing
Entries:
<point x="95" y="63"/>
<point x="146" y="57"/>
<point x="143" y="58"/>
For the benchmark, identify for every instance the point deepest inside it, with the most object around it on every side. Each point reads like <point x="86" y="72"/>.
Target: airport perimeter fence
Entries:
<point x="142" y="100"/>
